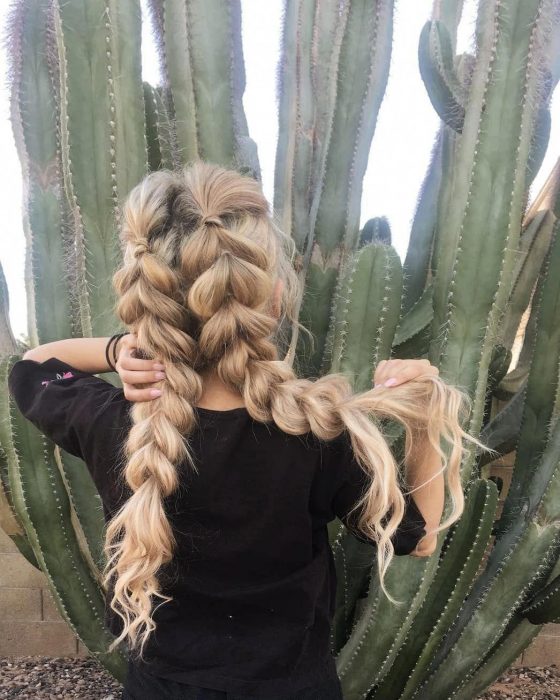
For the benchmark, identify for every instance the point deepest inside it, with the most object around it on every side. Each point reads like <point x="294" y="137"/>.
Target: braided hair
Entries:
<point x="201" y="256"/>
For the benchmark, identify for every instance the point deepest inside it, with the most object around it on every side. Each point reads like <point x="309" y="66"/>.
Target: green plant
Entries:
<point x="480" y="260"/>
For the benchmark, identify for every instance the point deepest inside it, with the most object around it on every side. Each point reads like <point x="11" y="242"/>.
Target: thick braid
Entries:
<point x="229" y="297"/>
<point x="151" y="304"/>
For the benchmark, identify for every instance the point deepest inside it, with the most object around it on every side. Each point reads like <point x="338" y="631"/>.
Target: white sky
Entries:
<point x="399" y="155"/>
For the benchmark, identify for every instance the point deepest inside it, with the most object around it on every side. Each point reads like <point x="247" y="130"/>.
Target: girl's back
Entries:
<point x="252" y="580"/>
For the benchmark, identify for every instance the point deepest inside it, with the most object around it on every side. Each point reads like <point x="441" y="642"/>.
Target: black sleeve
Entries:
<point x="78" y="411"/>
<point x="351" y="487"/>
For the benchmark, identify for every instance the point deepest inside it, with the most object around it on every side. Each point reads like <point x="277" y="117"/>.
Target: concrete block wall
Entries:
<point x="30" y="624"/>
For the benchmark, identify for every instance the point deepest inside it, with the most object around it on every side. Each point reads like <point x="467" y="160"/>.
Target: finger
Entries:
<point x="382" y="370"/>
<point x="133" y="394"/>
<point x="404" y="372"/>
<point x="135" y="376"/>
<point x="389" y="369"/>
<point x="128" y="362"/>
<point x="128" y="341"/>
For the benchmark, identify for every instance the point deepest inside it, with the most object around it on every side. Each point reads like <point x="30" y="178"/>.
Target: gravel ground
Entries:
<point x="59" y="678"/>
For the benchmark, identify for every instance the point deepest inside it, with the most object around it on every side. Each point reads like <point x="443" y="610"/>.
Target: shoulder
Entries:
<point x="69" y="406"/>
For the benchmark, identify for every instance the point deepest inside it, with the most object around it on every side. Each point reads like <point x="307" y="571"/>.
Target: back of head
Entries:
<point x="202" y="257"/>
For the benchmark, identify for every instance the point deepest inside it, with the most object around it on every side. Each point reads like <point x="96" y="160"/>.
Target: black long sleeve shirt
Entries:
<point x="253" y="578"/>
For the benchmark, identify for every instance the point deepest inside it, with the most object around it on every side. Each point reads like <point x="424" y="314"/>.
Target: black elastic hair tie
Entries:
<point x="115" y="338"/>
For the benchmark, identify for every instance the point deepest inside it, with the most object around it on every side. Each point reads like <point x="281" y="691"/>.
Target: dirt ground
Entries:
<point x="60" y="678"/>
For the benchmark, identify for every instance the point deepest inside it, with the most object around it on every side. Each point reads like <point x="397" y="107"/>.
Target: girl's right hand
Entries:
<point x="132" y="370"/>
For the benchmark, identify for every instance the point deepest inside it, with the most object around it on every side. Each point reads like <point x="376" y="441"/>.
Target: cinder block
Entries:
<point x="6" y="543"/>
<point x="505" y="472"/>
<point x="545" y="648"/>
<point x="37" y="639"/>
<point x="20" y="604"/>
<point x="50" y="611"/>
<point x="17" y="572"/>
<point x="83" y="651"/>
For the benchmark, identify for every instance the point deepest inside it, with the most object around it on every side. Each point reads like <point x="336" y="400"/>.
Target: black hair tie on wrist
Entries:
<point x="115" y="347"/>
<point x="115" y="338"/>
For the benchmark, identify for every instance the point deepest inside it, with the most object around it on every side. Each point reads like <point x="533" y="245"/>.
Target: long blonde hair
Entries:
<point x="201" y="256"/>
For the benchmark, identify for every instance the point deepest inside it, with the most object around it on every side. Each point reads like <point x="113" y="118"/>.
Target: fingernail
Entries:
<point x="390" y="382"/>
<point x="159" y="366"/>
<point x="160" y="375"/>
<point x="376" y="385"/>
<point x="155" y="392"/>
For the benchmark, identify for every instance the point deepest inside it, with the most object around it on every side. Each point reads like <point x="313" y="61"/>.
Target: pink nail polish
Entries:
<point x="155" y="392"/>
<point x="390" y="382"/>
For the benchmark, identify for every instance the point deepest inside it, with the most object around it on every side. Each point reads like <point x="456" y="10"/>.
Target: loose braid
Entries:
<point x="201" y="258"/>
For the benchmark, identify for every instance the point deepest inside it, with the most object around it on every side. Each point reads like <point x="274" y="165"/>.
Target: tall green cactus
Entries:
<point x="87" y="128"/>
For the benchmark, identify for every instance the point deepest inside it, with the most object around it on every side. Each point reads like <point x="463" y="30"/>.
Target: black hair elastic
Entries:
<point x="115" y="338"/>
<point x="115" y="346"/>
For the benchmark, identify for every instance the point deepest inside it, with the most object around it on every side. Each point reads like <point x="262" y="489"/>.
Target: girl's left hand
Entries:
<point x="394" y="372"/>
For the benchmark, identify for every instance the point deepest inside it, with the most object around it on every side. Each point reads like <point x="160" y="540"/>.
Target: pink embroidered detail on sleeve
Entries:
<point x="64" y="375"/>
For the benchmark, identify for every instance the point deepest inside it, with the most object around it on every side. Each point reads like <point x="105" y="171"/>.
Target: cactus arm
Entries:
<point x="499" y="661"/>
<point x="170" y="32"/>
<point x="33" y="116"/>
<point x="86" y="502"/>
<point x="200" y="41"/>
<point x="376" y="230"/>
<point x="95" y="164"/>
<point x="156" y="9"/>
<point x="353" y="564"/>
<point x="305" y="121"/>
<point x="365" y="54"/>
<point x="485" y="615"/>
<point x="126" y="105"/>
<point x="285" y="195"/>
<point x="372" y="648"/>
<point x="463" y="549"/>
<point x="416" y="319"/>
<point x="516" y="565"/>
<point x="469" y="302"/>
<point x="9" y="520"/>
<point x="501" y="433"/>
<point x="417" y="263"/>
<point x="335" y="201"/>
<point x="367" y="313"/>
<point x="449" y="12"/>
<point x="545" y="606"/>
<point x="533" y="246"/>
<point x="542" y="387"/>
<point x="152" y="137"/>
<point x="435" y="58"/>
<point x="494" y="597"/>
<point x="539" y="145"/>
<point x="159" y="128"/>
<point x="165" y="127"/>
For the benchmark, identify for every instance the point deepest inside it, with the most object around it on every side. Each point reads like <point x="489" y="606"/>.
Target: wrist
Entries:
<point x="116" y="349"/>
<point x="112" y="349"/>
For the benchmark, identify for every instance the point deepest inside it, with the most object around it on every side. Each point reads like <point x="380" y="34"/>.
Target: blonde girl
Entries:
<point x="217" y="491"/>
